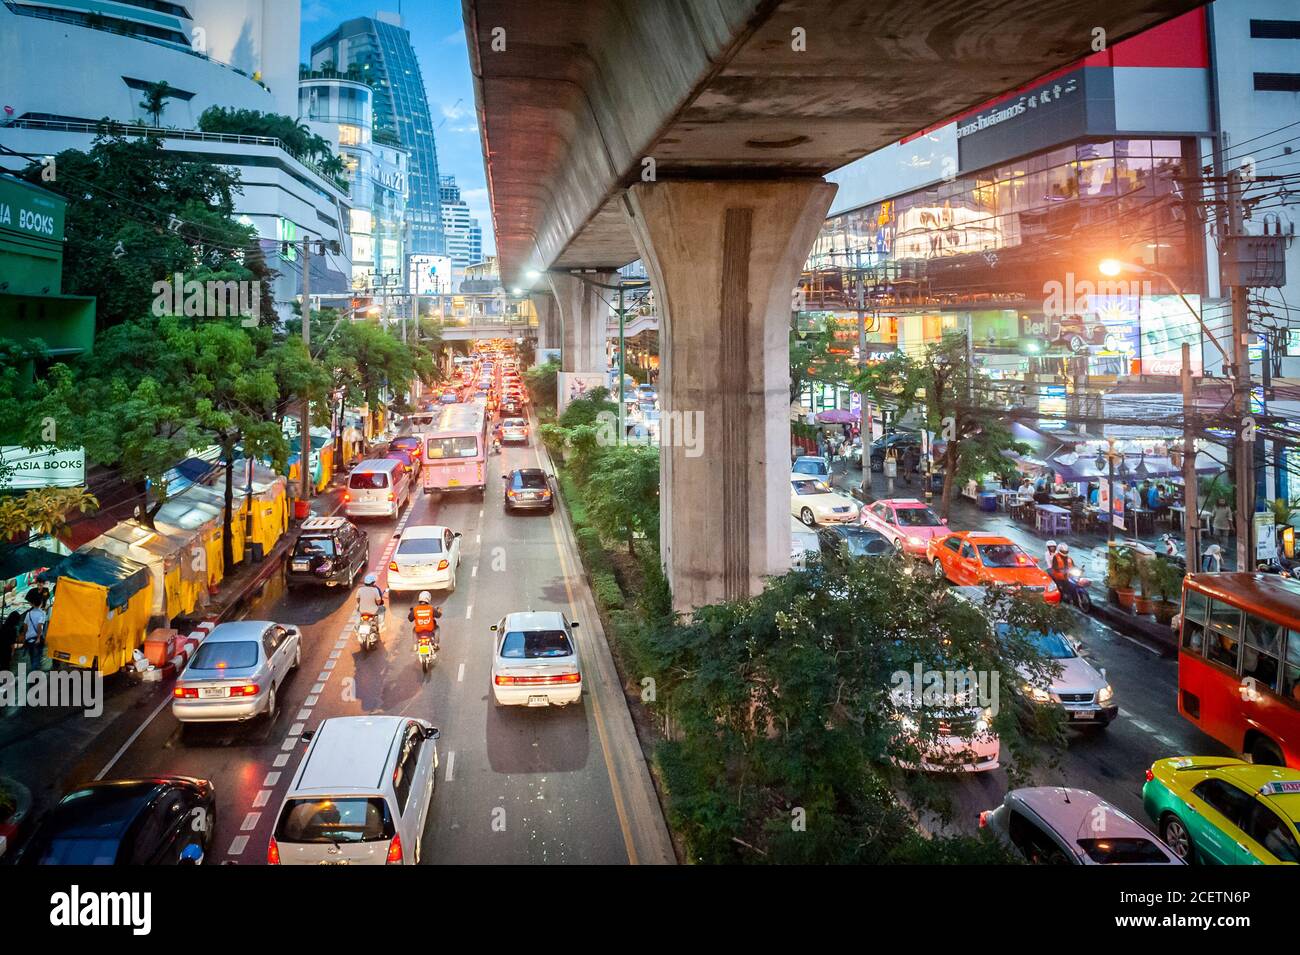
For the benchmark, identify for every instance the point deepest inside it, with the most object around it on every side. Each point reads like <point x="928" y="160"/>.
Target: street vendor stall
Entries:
<point x="268" y="509"/>
<point x="100" y="610"/>
<point x="196" y="515"/>
<point x="179" y="580"/>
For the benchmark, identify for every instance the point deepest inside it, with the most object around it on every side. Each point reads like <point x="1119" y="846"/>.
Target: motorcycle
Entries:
<point x="368" y="631"/>
<point x="1081" y="598"/>
<point x="426" y="651"/>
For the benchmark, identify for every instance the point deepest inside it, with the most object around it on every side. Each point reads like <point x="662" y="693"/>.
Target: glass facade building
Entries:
<point x="381" y="52"/>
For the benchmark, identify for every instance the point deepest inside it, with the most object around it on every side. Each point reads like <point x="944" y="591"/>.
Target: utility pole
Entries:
<point x="1244" y="443"/>
<point x="1191" y="497"/>
<point x="304" y="433"/>
<point x="622" y="344"/>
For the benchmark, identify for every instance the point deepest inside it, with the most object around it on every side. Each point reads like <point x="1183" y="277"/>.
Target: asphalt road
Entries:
<point x="514" y="785"/>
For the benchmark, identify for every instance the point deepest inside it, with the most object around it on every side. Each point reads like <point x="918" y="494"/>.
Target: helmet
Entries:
<point x="424" y="597"/>
<point x="370" y="579"/>
<point x="1063" y="549"/>
<point x="1051" y="545"/>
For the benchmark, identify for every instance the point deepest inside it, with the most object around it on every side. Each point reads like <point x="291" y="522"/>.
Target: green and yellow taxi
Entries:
<point x="1225" y="811"/>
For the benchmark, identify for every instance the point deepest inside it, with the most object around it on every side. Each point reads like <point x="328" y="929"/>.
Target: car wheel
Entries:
<point x="1085" y="601"/>
<point x="1175" y="835"/>
<point x="271" y="705"/>
<point x="938" y="569"/>
<point x="451" y="587"/>
<point x="1264" y="753"/>
<point x="297" y="654"/>
<point x="806" y="516"/>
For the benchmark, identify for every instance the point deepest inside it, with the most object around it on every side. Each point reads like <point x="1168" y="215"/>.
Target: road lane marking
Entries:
<point x="460" y="674"/>
<point x="261" y="798"/>
<point x="288" y="744"/>
<point x="237" y="846"/>
<point x="250" y="821"/>
<point x="132" y="738"/>
<point x="451" y="764"/>
<point x="469" y="611"/>
<point x="281" y="760"/>
<point x="319" y="687"/>
<point x="271" y="779"/>
<point x="296" y="729"/>
<point x="473" y="571"/>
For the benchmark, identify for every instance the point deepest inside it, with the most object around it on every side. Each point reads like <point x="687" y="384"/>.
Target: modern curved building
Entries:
<point x="380" y="49"/>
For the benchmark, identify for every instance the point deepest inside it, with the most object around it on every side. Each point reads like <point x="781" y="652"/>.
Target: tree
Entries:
<point x="138" y="214"/>
<point x="623" y="494"/>
<point x="955" y="402"/>
<point x="541" y="381"/>
<point x="817" y="356"/>
<point x="790" y="712"/>
<point x="43" y="511"/>
<point x="155" y="100"/>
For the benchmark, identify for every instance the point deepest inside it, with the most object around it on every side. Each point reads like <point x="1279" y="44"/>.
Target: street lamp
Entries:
<point x="1108" y="459"/>
<point x="1114" y="267"/>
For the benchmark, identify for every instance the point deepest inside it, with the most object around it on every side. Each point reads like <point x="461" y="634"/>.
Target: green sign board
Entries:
<point x="29" y="211"/>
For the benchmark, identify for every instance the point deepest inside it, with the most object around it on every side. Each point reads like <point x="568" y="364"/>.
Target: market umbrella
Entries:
<point x="836" y="416"/>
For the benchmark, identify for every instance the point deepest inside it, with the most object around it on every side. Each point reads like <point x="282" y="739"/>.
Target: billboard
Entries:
<point x="575" y="384"/>
<point x="1166" y="323"/>
<point x="430" y="274"/>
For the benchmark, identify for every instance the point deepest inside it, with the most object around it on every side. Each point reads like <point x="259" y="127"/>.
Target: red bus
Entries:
<point x="1239" y="663"/>
<point x="455" y="448"/>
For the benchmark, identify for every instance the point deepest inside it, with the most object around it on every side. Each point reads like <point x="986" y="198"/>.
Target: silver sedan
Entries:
<point x="236" y="671"/>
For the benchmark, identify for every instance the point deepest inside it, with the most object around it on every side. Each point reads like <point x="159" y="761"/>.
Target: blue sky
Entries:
<point x="438" y="34"/>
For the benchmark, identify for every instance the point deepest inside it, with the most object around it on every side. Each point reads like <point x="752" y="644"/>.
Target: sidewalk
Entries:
<point x="1087" y="550"/>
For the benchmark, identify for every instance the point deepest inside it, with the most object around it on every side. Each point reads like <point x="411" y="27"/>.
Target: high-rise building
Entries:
<point x="464" y="235"/>
<point x="379" y="51"/>
<point x="237" y="54"/>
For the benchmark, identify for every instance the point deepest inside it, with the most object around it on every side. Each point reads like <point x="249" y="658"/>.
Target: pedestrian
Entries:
<point x="911" y="458"/>
<point x="1221" y="522"/>
<point x="10" y="630"/>
<point x="34" y="631"/>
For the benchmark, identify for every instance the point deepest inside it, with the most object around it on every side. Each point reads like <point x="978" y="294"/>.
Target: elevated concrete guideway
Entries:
<point x="584" y="90"/>
<point x="693" y="135"/>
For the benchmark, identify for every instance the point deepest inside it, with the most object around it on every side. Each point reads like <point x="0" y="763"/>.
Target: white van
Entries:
<point x="379" y="487"/>
<point x="361" y="795"/>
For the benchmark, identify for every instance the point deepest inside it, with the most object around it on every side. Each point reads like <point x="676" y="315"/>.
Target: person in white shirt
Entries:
<point x="34" y="637"/>
<point x="1132" y="499"/>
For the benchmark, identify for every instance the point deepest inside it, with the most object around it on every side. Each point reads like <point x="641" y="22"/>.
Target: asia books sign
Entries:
<point x="22" y="469"/>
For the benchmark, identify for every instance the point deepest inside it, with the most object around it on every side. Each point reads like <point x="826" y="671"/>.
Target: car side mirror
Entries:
<point x="493" y="628"/>
<point x="943" y="520"/>
<point x="505" y="477"/>
<point x="573" y="624"/>
<point x="455" y="533"/>
<point x="307" y="735"/>
<point x="432" y="732"/>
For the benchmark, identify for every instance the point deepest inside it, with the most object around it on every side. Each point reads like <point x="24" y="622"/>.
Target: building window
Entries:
<point x="1277" y="82"/>
<point x="1275" y="29"/>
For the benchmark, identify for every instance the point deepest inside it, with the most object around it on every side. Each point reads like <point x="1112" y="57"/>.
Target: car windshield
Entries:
<point x="532" y="644"/>
<point x="530" y="479"/>
<point x="804" y="488"/>
<point x="419" y="545"/>
<point x="220" y="655"/>
<point x="514" y="423"/>
<point x="407" y="442"/>
<point x="1003" y="555"/>
<point x="354" y="819"/>
<point x="314" y="547"/>
<point x="809" y="467"/>
<point x="1132" y="851"/>
<point x="867" y="544"/>
<point x="916" y="517"/>
<point x="1052" y="645"/>
<point x="368" y="480"/>
<point x="461" y="447"/>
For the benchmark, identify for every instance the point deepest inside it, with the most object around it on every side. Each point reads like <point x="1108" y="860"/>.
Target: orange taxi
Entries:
<point x="973" y="558"/>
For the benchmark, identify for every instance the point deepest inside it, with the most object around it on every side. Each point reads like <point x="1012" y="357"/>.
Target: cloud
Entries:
<point x="457" y="110"/>
<point x="313" y="10"/>
<point x="453" y="39"/>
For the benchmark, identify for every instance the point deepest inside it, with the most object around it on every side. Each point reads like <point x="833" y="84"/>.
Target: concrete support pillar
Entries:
<point x="585" y="313"/>
<point x="724" y="259"/>
<point x="549" y="325"/>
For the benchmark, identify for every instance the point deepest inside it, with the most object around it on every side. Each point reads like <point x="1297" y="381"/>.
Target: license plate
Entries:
<point x="1083" y="714"/>
<point x="213" y="692"/>
<point x="336" y="862"/>
<point x="425" y="651"/>
<point x="452" y="483"/>
<point x="537" y="701"/>
<point x="301" y="564"/>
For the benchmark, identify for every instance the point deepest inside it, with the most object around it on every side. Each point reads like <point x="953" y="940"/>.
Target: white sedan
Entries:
<point x="427" y="558"/>
<point x="813" y="502"/>
<point x="536" y="662"/>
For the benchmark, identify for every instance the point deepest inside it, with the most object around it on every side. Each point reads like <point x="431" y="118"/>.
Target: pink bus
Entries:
<point x="455" y="448"/>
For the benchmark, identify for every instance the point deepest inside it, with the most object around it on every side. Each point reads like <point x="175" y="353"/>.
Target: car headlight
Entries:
<point x="985" y="721"/>
<point x="1050" y="588"/>
<point x="915" y="541"/>
<point x="1037" y="694"/>
<point x="1105" y="694"/>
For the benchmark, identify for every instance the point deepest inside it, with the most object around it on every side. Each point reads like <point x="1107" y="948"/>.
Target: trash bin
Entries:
<point x="988" y="501"/>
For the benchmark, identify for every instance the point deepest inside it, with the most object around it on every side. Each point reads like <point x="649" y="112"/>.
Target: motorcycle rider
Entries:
<point x="424" y="618"/>
<point x="1051" y="555"/>
<point x="1060" y="571"/>
<point x="370" y="600"/>
<point x="1171" y="545"/>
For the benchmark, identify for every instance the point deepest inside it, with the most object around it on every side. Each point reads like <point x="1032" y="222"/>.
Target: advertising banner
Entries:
<point x="430" y="274"/>
<point x="1166" y="324"/>
<point x="575" y="384"/>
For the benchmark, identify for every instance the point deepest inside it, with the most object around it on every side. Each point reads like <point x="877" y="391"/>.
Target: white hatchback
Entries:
<point x="813" y="502"/>
<point x="427" y="558"/>
<point x="535" y="660"/>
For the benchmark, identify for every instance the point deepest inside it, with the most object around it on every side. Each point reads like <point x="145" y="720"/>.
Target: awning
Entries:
<point x="1083" y="467"/>
<point x="122" y="578"/>
<point x="837" y="416"/>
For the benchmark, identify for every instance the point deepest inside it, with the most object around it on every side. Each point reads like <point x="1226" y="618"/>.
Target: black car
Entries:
<point x="528" y="489"/>
<point x="410" y="463"/>
<point x="846" y="542"/>
<point x="898" y="442"/>
<point x="511" y="407"/>
<point x="158" y="820"/>
<point x="331" y="551"/>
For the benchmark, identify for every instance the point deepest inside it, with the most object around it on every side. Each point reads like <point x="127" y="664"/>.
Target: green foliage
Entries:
<point x="1121" y="568"/>
<point x="588" y="408"/>
<point x="122" y="195"/>
<point x="155" y="100"/>
<point x="623" y="494"/>
<point x="604" y="586"/>
<point x="296" y="136"/>
<point x="787" y="724"/>
<point x="542" y="382"/>
<point x="816" y="357"/>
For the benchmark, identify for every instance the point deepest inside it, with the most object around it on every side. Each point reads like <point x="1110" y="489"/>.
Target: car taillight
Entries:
<point x="392" y="565"/>
<point x="346" y="497"/>
<point x="984" y="818"/>
<point x="248" y="689"/>
<point x="548" y="680"/>
<point x="392" y="496"/>
<point x="272" y="852"/>
<point x="510" y="492"/>
<point x="1150" y="775"/>
<point x="188" y="693"/>
<point x="443" y="565"/>
<point x="395" y="851"/>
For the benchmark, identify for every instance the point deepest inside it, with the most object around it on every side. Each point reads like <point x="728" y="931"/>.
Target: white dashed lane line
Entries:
<point x="237" y="845"/>
<point x="250" y="821"/>
<point x="451" y="765"/>
<point x="460" y="674"/>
